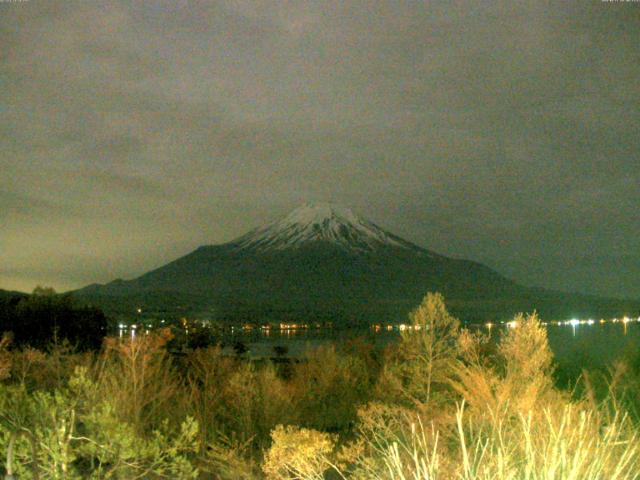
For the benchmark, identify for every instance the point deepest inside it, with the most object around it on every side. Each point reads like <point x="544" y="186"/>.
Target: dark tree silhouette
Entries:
<point x="43" y="317"/>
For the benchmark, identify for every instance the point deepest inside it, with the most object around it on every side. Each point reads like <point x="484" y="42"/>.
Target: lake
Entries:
<point x="573" y="342"/>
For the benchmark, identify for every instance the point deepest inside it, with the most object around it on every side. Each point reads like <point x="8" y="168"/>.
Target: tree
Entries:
<point x="44" y="317"/>
<point x="426" y="355"/>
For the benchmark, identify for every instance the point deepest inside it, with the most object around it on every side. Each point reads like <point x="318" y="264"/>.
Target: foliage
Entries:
<point x="69" y="433"/>
<point x="419" y="374"/>
<point x="5" y="356"/>
<point x="138" y="376"/>
<point x="442" y="403"/>
<point x="330" y="387"/>
<point x="298" y="453"/>
<point x="518" y="379"/>
<point x="229" y="459"/>
<point x="45" y="317"/>
<point x="567" y="444"/>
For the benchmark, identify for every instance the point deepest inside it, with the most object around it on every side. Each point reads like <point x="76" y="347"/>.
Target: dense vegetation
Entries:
<point x="44" y="317"/>
<point x="440" y="404"/>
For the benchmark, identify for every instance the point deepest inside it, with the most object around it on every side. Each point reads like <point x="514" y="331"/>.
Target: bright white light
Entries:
<point x="512" y="324"/>
<point x="590" y="322"/>
<point x="573" y="322"/>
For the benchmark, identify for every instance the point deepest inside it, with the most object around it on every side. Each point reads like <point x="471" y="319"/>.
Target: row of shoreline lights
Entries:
<point x="511" y="324"/>
<point x="402" y="327"/>
<point x="514" y="323"/>
<point x="574" y="322"/>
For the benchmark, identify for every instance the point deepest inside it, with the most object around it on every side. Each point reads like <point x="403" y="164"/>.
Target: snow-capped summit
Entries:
<point x="320" y="222"/>
<point x="312" y="213"/>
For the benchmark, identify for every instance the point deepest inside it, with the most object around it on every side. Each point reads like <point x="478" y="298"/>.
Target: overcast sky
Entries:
<point x="500" y="131"/>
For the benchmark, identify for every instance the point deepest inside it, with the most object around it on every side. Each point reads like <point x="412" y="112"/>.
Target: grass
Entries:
<point x="566" y="445"/>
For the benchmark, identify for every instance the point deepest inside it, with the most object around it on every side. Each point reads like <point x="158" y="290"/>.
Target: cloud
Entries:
<point x="496" y="131"/>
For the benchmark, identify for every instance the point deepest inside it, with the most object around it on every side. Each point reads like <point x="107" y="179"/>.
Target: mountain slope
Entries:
<point x="324" y="263"/>
<point x="321" y="223"/>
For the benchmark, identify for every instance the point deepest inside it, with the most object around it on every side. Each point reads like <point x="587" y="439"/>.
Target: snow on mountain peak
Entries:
<point x="320" y="222"/>
<point x="317" y="213"/>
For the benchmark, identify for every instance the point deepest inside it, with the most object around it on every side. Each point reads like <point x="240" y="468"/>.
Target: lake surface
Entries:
<point x="579" y="344"/>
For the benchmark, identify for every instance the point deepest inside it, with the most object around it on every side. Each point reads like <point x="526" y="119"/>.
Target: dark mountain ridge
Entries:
<point x="324" y="263"/>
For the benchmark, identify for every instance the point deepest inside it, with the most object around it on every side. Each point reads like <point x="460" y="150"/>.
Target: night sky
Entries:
<point x="133" y="132"/>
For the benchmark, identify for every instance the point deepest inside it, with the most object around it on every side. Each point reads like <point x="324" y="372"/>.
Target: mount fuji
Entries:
<point x="321" y="223"/>
<point x="324" y="263"/>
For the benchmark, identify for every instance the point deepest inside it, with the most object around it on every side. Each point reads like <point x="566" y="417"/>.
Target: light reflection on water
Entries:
<point x="593" y="345"/>
<point x="586" y="344"/>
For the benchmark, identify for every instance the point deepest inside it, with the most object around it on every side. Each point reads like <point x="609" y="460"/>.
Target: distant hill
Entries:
<point x="325" y="263"/>
<point x="39" y="318"/>
<point x="8" y="294"/>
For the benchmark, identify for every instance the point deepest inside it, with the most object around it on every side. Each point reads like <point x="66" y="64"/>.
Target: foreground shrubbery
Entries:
<point x="441" y="404"/>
